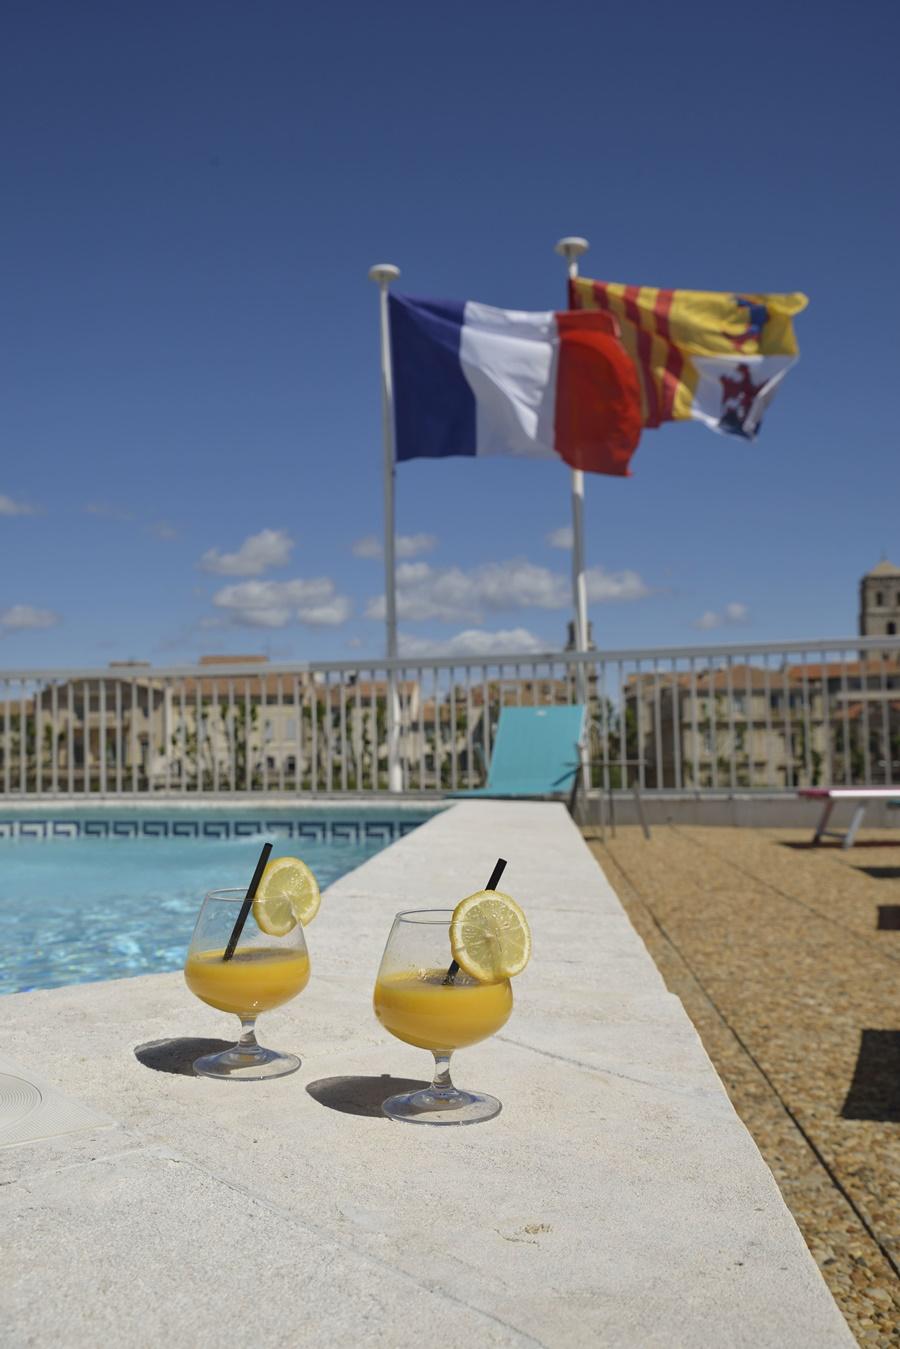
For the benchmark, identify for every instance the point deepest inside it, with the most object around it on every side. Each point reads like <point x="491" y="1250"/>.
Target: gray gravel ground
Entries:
<point x="787" y="959"/>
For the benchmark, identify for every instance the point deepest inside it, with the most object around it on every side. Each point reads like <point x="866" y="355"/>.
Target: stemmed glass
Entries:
<point x="263" y="973"/>
<point x="415" y="1001"/>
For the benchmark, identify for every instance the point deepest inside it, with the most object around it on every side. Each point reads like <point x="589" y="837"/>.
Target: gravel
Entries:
<point x="776" y="951"/>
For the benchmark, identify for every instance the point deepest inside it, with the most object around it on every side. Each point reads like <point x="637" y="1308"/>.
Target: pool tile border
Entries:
<point x="320" y="831"/>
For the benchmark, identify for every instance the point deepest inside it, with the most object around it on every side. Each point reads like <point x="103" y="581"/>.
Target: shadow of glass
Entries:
<point x="875" y="1090"/>
<point x="360" y="1095"/>
<point x="177" y="1056"/>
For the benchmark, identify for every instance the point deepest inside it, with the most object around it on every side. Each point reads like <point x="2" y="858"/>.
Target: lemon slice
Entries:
<point x="489" y="937"/>
<point x="287" y="894"/>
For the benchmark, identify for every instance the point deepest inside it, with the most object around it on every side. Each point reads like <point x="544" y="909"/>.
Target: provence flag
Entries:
<point x="708" y="355"/>
<point x="473" y="380"/>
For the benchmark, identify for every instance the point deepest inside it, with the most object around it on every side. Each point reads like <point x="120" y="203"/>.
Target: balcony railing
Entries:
<point x="706" y="719"/>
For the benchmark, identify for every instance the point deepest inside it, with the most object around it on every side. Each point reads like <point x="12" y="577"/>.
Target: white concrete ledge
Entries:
<point x="617" y="1200"/>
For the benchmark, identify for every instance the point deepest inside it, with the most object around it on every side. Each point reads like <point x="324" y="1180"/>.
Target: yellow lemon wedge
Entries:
<point x="287" y="894"/>
<point x="489" y="937"/>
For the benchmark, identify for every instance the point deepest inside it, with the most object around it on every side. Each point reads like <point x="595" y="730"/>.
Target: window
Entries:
<point x="267" y="731"/>
<point x="891" y="629"/>
<point x="270" y="763"/>
<point x="879" y="598"/>
<point x="291" y="732"/>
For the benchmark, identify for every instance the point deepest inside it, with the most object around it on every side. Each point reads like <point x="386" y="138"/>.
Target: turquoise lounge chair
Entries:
<point x="536" y="752"/>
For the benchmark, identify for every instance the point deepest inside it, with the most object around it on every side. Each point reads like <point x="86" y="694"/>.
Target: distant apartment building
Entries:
<point x="250" y="728"/>
<point x="751" y="725"/>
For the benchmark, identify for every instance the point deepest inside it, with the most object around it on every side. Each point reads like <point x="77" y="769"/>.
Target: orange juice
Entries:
<point x="253" y="981"/>
<point x="418" y="1007"/>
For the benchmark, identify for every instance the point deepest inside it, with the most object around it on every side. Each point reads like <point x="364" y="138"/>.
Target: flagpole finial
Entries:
<point x="571" y="247"/>
<point x="384" y="273"/>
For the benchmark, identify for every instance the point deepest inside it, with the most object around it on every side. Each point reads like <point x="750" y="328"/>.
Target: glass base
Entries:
<point x="435" y="1105"/>
<point x="249" y="1064"/>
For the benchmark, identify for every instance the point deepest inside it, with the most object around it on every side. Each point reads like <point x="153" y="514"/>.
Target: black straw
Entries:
<point x="491" y="885"/>
<point x="248" y="902"/>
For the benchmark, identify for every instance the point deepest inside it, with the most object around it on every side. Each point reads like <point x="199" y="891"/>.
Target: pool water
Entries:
<point x="120" y="896"/>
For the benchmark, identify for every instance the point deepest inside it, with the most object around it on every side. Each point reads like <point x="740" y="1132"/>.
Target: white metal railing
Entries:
<point x="736" y="717"/>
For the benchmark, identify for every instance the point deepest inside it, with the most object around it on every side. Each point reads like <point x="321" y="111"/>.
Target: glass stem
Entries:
<point x="248" y="1039"/>
<point x="441" y="1082"/>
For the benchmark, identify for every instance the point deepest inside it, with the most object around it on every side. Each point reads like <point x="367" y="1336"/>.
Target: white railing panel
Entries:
<point x="732" y="717"/>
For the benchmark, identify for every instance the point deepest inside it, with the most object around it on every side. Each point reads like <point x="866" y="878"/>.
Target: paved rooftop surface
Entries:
<point x="617" y="1200"/>
<point x="788" y="961"/>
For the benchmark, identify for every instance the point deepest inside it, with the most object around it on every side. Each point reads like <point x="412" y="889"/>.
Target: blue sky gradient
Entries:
<point x="194" y="195"/>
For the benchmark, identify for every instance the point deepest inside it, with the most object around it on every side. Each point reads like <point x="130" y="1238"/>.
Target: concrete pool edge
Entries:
<point x="617" y="1200"/>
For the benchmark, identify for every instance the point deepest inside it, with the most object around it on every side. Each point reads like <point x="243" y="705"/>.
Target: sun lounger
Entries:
<point x="830" y="796"/>
<point x="537" y="753"/>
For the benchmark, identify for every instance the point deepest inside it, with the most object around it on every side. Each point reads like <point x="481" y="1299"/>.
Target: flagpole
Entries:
<point x="383" y="273"/>
<point x="571" y="248"/>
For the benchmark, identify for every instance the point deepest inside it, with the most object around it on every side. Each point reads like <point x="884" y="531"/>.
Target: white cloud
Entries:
<point x="370" y="546"/>
<point x="453" y="595"/>
<point x="413" y="545"/>
<point x="107" y="510"/>
<point x="405" y="545"/>
<point x="10" y="507"/>
<point x="275" y="604"/>
<point x="560" y="538"/>
<point x="733" y="615"/>
<point x="163" y="530"/>
<point x="473" y="642"/>
<point x="604" y="587"/>
<point x="258" y="552"/>
<point x="26" y="616"/>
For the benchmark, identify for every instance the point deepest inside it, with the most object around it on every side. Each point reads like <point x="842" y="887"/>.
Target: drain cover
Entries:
<point x="31" y="1109"/>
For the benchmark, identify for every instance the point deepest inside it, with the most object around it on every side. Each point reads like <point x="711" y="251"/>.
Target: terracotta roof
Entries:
<point x="738" y="679"/>
<point x="873" y="665"/>
<point x="217" y="686"/>
<point x="233" y="660"/>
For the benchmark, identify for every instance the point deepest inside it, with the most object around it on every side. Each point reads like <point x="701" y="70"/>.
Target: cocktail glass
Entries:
<point x="414" y="1001"/>
<point x="263" y="973"/>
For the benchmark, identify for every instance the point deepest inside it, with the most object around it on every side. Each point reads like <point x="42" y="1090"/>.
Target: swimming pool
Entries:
<point x="91" y="894"/>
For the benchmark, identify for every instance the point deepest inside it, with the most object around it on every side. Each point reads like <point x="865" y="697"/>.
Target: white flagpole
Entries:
<point x="571" y="248"/>
<point x="383" y="273"/>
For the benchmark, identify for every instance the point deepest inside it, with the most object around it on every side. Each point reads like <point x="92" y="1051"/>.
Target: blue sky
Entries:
<point x="194" y="195"/>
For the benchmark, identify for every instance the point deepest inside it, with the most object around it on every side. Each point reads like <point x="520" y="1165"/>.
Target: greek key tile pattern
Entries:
<point x="319" y="830"/>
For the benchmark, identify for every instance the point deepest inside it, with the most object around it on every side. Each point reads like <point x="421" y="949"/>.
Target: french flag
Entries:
<point x="473" y="380"/>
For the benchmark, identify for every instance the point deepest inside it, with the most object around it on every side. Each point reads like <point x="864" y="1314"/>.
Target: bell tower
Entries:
<point x="879" y="601"/>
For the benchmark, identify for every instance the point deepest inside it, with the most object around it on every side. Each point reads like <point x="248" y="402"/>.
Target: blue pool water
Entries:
<point x="87" y="896"/>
